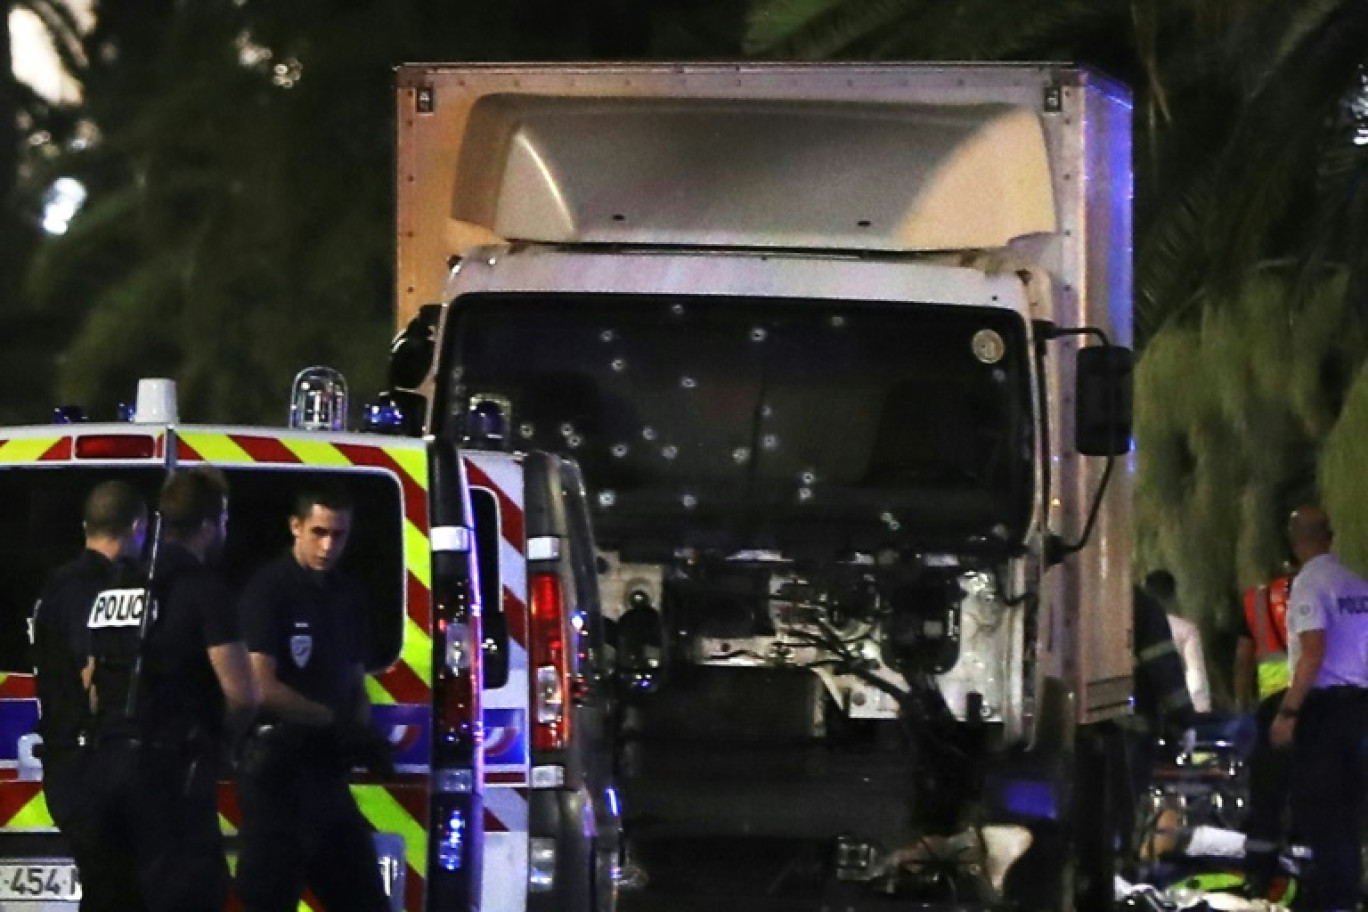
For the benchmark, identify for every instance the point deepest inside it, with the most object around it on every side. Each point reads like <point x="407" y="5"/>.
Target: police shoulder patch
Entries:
<point x="118" y="608"/>
<point x="301" y="648"/>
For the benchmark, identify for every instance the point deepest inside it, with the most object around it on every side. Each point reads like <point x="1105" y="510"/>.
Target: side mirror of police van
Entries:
<point x="1103" y="379"/>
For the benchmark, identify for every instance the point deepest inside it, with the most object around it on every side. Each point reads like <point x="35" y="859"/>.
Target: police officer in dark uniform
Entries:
<point x="170" y="683"/>
<point x="115" y="522"/>
<point x="304" y="624"/>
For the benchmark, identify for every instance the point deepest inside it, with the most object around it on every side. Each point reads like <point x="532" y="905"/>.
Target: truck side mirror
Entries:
<point x="1102" y="400"/>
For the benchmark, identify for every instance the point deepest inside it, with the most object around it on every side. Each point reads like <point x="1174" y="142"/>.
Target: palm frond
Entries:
<point x="833" y="31"/>
<point x="1173" y="255"/>
<point x="1237" y="211"/>
<point x="1301" y="22"/>
<point x="771" y="23"/>
<point x="987" y="30"/>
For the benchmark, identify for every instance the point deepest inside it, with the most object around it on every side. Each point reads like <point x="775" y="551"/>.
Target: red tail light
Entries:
<point x="455" y="665"/>
<point x="116" y="446"/>
<point x="456" y="673"/>
<point x="550" y="665"/>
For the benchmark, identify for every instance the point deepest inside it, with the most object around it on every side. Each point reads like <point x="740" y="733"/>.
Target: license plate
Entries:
<point x="21" y="882"/>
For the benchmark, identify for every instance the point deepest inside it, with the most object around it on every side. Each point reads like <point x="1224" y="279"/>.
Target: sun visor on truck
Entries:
<point x="742" y="172"/>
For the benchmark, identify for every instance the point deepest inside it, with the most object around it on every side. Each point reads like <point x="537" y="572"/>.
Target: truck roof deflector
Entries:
<point x="748" y="173"/>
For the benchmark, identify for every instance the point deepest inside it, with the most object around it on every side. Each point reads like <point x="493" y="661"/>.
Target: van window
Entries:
<point x="494" y="621"/>
<point x="40" y="529"/>
<point x="259" y="530"/>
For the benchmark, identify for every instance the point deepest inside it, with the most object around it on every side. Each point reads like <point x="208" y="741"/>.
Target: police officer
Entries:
<point x="115" y="523"/>
<point x="170" y="682"/>
<point x="1324" y="712"/>
<point x="304" y="624"/>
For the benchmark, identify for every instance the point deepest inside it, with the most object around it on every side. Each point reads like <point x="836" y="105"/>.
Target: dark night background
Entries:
<point x="237" y="157"/>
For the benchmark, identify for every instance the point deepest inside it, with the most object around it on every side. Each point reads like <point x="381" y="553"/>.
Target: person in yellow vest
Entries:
<point x="1261" y="668"/>
<point x="1261" y="678"/>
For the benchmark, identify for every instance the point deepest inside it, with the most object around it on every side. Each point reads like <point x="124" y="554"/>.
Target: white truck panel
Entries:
<point x="1014" y="168"/>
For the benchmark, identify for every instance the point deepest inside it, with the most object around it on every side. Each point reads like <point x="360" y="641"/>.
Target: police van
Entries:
<point x="552" y="823"/>
<point x="412" y="546"/>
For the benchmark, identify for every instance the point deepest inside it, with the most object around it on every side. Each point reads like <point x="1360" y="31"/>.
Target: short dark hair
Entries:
<point x="328" y="495"/>
<point x="191" y="498"/>
<point x="1161" y="585"/>
<point x="111" y="509"/>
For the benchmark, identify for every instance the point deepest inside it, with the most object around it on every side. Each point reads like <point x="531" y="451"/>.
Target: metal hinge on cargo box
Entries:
<point x="1053" y="100"/>
<point x="424" y="99"/>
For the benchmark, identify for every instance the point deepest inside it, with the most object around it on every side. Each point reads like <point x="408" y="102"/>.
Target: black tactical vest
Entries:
<point x="57" y="661"/>
<point x="115" y="624"/>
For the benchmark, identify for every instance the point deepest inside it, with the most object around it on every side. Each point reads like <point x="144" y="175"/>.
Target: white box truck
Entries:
<point x="841" y="351"/>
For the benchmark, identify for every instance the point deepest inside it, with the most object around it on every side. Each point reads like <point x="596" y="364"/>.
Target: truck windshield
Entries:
<point x="763" y="423"/>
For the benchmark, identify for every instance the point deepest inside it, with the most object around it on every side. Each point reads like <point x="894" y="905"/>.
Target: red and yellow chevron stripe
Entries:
<point x="392" y="807"/>
<point x="40" y="447"/>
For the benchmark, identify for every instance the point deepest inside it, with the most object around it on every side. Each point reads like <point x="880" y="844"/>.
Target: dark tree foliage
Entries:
<point x="240" y="219"/>
<point x="31" y="130"/>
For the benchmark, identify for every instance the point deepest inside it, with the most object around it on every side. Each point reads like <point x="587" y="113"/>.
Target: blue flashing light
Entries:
<point x="68" y="414"/>
<point x="1030" y="798"/>
<point x="128" y="411"/>
<point x="451" y="841"/>
<point x="383" y="417"/>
